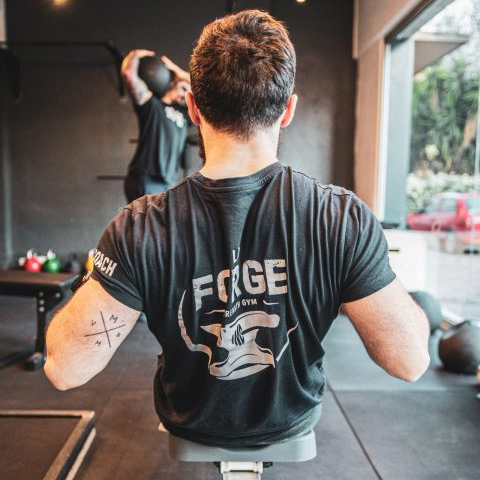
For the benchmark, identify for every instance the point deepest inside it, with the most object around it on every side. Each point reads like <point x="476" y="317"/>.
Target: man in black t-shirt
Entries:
<point x="241" y="268"/>
<point x="162" y="124"/>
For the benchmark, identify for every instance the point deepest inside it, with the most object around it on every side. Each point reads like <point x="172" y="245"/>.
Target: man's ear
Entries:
<point x="192" y="108"/>
<point x="289" y="111"/>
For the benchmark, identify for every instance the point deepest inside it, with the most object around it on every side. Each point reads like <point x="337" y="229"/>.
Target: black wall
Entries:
<point x="71" y="126"/>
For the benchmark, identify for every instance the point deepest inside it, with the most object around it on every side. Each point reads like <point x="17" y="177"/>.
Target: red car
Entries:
<point x="448" y="212"/>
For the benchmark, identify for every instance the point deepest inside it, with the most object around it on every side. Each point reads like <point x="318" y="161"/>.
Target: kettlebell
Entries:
<point x="52" y="263"/>
<point x="431" y="306"/>
<point x="73" y="265"/>
<point x="32" y="264"/>
<point x="459" y="348"/>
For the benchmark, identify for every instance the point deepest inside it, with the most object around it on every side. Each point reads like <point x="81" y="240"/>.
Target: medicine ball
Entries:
<point x="155" y="74"/>
<point x="431" y="306"/>
<point x="459" y="348"/>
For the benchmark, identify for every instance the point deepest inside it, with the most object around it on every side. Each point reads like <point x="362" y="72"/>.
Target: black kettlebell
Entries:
<point x="431" y="306"/>
<point x="155" y="74"/>
<point x="73" y="265"/>
<point x="459" y="348"/>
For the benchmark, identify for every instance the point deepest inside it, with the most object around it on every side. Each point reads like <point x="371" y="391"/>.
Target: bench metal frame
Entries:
<point x="48" y="297"/>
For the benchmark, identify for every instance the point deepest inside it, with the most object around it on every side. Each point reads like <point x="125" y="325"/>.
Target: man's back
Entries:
<point x="242" y="276"/>
<point x="270" y="257"/>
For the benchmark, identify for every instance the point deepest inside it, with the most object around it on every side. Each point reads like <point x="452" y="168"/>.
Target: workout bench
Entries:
<point x="245" y="463"/>
<point x="50" y="289"/>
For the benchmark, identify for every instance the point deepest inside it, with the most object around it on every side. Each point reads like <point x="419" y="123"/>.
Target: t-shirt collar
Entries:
<point x="238" y="182"/>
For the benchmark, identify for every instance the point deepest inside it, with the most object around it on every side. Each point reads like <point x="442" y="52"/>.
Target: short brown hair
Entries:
<point x="243" y="72"/>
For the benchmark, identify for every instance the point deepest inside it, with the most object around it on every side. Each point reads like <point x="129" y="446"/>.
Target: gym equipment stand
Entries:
<point x="50" y="290"/>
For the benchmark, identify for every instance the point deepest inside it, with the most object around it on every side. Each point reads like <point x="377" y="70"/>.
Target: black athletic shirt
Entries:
<point x="240" y="280"/>
<point x="161" y="143"/>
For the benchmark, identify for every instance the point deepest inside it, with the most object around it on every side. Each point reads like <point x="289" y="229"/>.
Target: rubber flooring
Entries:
<point x="373" y="426"/>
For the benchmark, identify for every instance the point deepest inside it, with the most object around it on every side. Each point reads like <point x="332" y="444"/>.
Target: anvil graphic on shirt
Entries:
<point x="245" y="356"/>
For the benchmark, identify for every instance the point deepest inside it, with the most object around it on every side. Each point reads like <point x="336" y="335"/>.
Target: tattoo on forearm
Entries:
<point x="105" y="334"/>
<point x="139" y="91"/>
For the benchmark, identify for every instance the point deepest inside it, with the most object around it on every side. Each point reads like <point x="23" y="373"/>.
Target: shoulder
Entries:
<point x="302" y="178"/>
<point x="148" y="205"/>
<point x="138" y="212"/>
<point x="152" y="105"/>
<point x="326" y="193"/>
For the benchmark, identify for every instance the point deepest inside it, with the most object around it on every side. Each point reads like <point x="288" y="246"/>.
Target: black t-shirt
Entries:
<point x="240" y="280"/>
<point x="161" y="143"/>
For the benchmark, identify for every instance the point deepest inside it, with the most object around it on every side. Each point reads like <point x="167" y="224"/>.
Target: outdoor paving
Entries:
<point x="457" y="284"/>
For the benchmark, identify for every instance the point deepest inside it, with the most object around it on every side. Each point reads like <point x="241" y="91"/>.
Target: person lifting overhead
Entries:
<point x="157" y="88"/>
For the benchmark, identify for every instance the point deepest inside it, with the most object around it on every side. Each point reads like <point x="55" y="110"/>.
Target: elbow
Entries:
<point x="414" y="370"/>
<point x="55" y="376"/>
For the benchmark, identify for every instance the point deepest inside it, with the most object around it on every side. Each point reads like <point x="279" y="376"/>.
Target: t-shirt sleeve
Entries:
<point x="366" y="266"/>
<point x="114" y="262"/>
<point x="150" y="111"/>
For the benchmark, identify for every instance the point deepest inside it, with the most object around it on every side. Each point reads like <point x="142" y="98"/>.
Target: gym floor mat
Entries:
<point x="426" y="430"/>
<point x="348" y="366"/>
<point x="43" y="445"/>
<point x="126" y="459"/>
<point x="418" y="435"/>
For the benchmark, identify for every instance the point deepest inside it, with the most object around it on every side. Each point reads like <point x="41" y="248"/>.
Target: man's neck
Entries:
<point x="228" y="157"/>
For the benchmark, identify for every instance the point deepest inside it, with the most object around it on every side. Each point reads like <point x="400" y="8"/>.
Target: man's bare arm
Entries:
<point x="180" y="74"/>
<point x="137" y="88"/>
<point x="394" y="330"/>
<point x="84" y="335"/>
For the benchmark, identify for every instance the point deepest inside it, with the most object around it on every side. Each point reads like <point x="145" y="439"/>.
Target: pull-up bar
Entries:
<point x="11" y="60"/>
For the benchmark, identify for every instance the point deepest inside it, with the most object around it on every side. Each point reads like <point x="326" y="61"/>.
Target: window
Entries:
<point x="449" y="205"/>
<point x="430" y="150"/>
<point x="473" y="205"/>
<point x="433" y="206"/>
